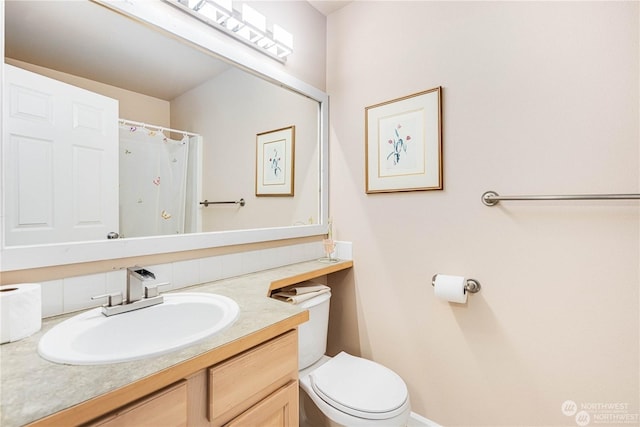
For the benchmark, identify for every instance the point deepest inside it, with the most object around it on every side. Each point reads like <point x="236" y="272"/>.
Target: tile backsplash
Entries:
<point x="74" y="293"/>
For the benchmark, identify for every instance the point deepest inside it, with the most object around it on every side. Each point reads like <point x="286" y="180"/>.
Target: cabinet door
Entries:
<point x="167" y="408"/>
<point x="280" y="409"/>
<point x="247" y="379"/>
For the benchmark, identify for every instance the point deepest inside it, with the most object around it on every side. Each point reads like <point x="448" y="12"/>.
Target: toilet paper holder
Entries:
<point x="472" y="286"/>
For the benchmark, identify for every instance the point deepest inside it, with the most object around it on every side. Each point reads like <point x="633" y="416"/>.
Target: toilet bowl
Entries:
<point x="351" y="391"/>
<point x="344" y="390"/>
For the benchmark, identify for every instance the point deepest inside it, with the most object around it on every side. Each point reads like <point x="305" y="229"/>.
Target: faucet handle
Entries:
<point x="112" y="299"/>
<point x="151" y="290"/>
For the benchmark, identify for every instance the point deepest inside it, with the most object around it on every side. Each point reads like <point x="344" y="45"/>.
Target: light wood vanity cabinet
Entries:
<point x="278" y="409"/>
<point x="258" y="387"/>
<point x="167" y="407"/>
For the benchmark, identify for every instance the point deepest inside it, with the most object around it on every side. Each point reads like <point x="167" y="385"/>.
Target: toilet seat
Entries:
<point x="360" y="387"/>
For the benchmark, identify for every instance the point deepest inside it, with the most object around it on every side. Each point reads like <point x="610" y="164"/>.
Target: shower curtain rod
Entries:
<point x="491" y="198"/>
<point x="158" y="128"/>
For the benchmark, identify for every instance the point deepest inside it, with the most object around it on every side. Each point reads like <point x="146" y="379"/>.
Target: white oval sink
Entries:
<point x="92" y="338"/>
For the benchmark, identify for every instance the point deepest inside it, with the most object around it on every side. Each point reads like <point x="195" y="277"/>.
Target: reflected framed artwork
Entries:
<point x="403" y="143"/>
<point x="275" y="158"/>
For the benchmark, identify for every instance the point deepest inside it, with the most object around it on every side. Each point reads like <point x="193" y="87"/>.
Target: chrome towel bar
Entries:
<point x="240" y="202"/>
<point x="491" y="198"/>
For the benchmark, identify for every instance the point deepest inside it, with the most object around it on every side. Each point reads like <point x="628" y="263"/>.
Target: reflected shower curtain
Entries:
<point x="153" y="176"/>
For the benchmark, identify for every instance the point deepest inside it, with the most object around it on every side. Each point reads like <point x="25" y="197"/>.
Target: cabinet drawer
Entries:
<point x="279" y="409"/>
<point x="167" y="407"/>
<point x="241" y="382"/>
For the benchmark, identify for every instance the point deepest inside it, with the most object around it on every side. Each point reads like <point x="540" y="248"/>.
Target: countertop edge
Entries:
<point x="322" y="271"/>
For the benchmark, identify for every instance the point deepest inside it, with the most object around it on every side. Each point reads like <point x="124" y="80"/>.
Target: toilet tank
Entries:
<point x="312" y="335"/>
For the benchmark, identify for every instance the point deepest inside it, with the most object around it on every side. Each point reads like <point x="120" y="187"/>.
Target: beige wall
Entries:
<point x="308" y="27"/>
<point x="538" y="97"/>
<point x="229" y="111"/>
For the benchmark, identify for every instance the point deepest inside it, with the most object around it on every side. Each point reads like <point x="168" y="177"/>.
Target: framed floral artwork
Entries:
<point x="403" y="143"/>
<point x="275" y="156"/>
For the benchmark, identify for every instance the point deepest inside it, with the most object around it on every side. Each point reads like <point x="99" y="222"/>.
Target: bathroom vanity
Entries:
<point x="244" y="375"/>
<point x="256" y="387"/>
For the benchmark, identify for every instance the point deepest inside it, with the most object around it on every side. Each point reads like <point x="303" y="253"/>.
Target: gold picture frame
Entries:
<point x="275" y="161"/>
<point x="403" y="143"/>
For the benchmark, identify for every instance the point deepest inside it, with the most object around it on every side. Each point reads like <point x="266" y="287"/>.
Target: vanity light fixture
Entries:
<point x="248" y="26"/>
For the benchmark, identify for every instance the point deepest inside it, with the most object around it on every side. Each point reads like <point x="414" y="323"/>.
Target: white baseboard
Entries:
<point x="416" y="420"/>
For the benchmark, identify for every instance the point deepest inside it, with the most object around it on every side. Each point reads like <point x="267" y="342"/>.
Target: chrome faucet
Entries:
<point x="138" y="294"/>
<point x="136" y="277"/>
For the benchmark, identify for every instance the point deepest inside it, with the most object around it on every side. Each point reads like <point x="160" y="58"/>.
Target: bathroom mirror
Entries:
<point x="189" y="40"/>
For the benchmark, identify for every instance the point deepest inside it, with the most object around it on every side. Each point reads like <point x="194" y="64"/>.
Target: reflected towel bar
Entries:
<point x="240" y="202"/>
<point x="491" y="198"/>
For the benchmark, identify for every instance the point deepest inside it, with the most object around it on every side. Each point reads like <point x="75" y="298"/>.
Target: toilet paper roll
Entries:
<point x="20" y="311"/>
<point x="451" y="288"/>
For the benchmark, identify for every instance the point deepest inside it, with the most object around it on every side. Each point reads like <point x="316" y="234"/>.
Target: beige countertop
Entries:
<point x="32" y="387"/>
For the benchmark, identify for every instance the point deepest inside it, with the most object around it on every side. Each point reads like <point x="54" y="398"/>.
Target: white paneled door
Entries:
<point x="60" y="161"/>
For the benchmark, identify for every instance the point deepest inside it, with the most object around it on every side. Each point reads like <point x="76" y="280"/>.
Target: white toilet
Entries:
<point x="344" y="390"/>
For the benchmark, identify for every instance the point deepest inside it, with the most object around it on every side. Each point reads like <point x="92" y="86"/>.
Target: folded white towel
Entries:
<point x="298" y="293"/>
<point x="304" y="288"/>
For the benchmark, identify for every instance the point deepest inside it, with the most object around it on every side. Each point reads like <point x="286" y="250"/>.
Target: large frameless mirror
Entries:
<point x="134" y="120"/>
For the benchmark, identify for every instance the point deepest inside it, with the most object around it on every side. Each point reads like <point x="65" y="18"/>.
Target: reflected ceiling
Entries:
<point x="103" y="56"/>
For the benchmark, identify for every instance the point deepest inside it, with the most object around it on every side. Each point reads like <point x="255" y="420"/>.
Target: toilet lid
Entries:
<point x="360" y="387"/>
